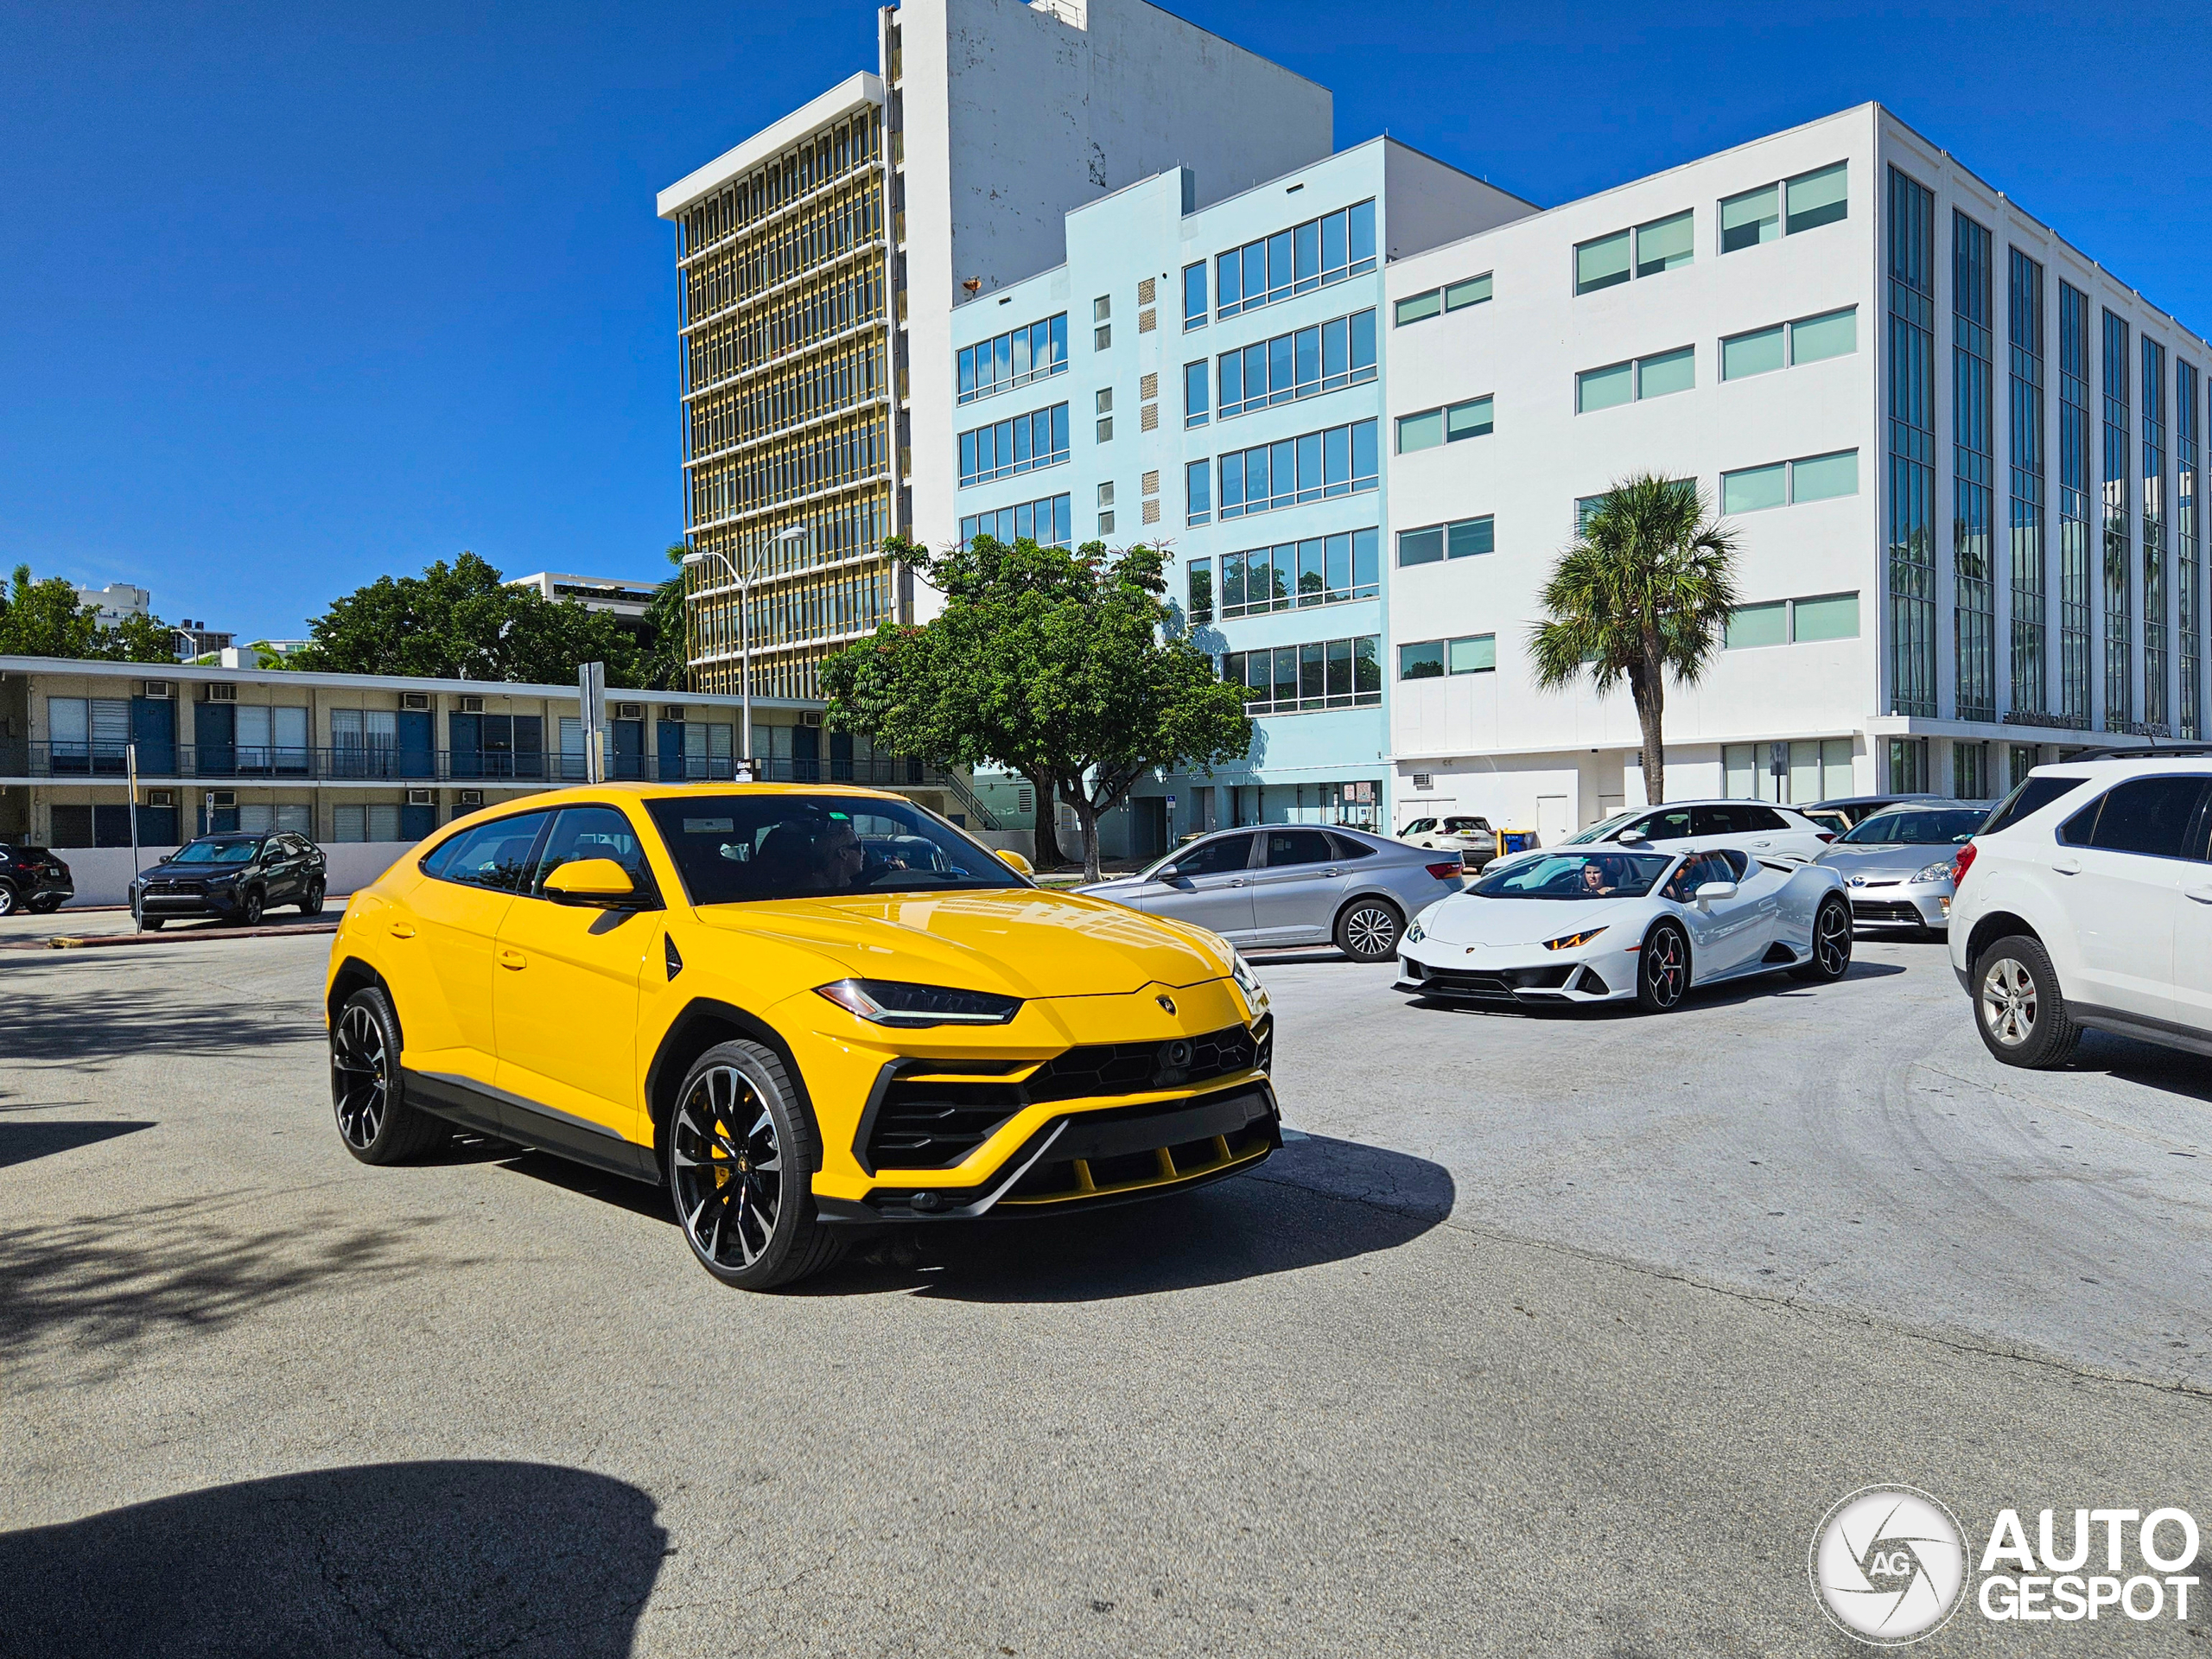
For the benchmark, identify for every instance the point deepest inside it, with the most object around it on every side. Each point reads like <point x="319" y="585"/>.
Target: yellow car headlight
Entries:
<point x="1573" y="940"/>
<point x="891" y="1002"/>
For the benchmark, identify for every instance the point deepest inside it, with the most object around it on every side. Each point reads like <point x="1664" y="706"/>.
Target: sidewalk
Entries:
<point x="108" y="926"/>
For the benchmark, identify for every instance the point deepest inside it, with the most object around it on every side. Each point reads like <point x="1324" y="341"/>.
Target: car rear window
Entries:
<point x="2151" y="816"/>
<point x="2033" y="795"/>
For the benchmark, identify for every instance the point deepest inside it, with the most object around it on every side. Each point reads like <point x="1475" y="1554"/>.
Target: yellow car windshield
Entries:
<point x="736" y="849"/>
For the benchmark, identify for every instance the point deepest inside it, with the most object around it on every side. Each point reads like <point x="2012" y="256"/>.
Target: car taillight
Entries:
<point x="1448" y="871"/>
<point x="1960" y="863"/>
<point x="1826" y="836"/>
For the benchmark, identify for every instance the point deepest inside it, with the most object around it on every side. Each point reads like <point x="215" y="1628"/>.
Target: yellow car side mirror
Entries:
<point x="1015" y="861"/>
<point x="590" y="881"/>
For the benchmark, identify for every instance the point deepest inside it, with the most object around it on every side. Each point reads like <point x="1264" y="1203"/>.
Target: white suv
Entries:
<point x="2085" y="900"/>
<point x="1752" y="827"/>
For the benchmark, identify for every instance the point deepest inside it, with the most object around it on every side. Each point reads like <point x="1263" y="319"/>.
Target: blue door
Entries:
<point x="153" y="729"/>
<point x="806" y="754"/>
<point x="416" y="758"/>
<point x="214" y="732"/>
<point x="672" y="750"/>
<point x="465" y="734"/>
<point x="416" y="821"/>
<point x="629" y="750"/>
<point x="841" y="757"/>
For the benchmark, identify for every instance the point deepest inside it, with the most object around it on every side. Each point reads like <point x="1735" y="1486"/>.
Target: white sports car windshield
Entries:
<point x="1576" y="875"/>
<point x="1599" y="831"/>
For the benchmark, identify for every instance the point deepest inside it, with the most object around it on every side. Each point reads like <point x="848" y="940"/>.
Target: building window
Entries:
<point x="1974" y="469"/>
<point x="1818" y="769"/>
<point x="1760" y="351"/>
<point x="1644" y="377"/>
<point x="2189" y="536"/>
<point x="1417" y="308"/>
<point x="2023" y="309"/>
<point x="1475" y="654"/>
<point x="1793" y="483"/>
<point x="1105" y="523"/>
<point x="1020" y="445"/>
<point x="1197" y="493"/>
<point x="1194" y="393"/>
<point x="1601" y="263"/>
<point x="1421" y="661"/>
<point x="1101" y="307"/>
<point x="1327" y="357"/>
<point x="2074" y="506"/>
<point x="1194" y="295"/>
<point x="1807" y="340"/>
<point x="1199" y="576"/>
<point x="1455" y="421"/>
<point x="1434" y="543"/>
<point x="1320" y="570"/>
<point x="1473" y="291"/>
<point x="1047" y="522"/>
<point x="1013" y="359"/>
<point x="1811" y="199"/>
<point x="2157" y="626"/>
<point x="1970" y="773"/>
<point x="1305" y="679"/>
<point x="1830" y="616"/>
<point x="2120" y="574"/>
<point x="1908" y="766"/>
<point x="1106" y="494"/>
<point x="1340" y="460"/>
<point x="1297" y="261"/>
<point x="1752" y="626"/>
<point x="1663" y="244"/>
<point x="1912" y="446"/>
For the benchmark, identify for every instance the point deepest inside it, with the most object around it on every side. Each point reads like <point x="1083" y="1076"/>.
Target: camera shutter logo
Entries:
<point x="1888" y="1564"/>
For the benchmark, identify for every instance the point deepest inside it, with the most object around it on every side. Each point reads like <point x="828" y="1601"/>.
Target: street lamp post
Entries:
<point x="744" y="579"/>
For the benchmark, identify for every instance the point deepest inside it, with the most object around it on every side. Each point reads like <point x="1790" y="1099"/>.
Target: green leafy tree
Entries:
<point x="44" y="619"/>
<point x="1056" y="663"/>
<point x="666" y="663"/>
<point x="1645" y="591"/>
<point x="460" y="621"/>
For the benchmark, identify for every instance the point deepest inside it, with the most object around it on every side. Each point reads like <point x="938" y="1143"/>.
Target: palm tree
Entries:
<point x="1646" y="590"/>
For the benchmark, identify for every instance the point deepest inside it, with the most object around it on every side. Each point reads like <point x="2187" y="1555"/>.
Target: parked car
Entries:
<point x="1293" y="884"/>
<point x="1471" y="838"/>
<point x="822" y="1040"/>
<point x="33" y="878"/>
<point x="234" y="877"/>
<point x="1610" y="925"/>
<point x="1847" y="811"/>
<point x="1752" y="827"/>
<point x="2086" y="901"/>
<point x="1896" y="864"/>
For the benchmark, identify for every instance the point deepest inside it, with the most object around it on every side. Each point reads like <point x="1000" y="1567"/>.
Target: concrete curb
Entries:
<point x="98" y="941"/>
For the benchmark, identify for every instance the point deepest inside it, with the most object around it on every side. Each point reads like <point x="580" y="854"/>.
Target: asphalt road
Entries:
<point x="1548" y="1336"/>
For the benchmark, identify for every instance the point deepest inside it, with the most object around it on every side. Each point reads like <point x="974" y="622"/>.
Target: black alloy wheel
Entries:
<point x="367" y="1095"/>
<point x="249" y="913"/>
<point x="8" y="900"/>
<point x="1368" y="931"/>
<point x="739" y="1155"/>
<point x="1663" y="968"/>
<point x="311" y="899"/>
<point x="46" y="905"/>
<point x="1832" y="941"/>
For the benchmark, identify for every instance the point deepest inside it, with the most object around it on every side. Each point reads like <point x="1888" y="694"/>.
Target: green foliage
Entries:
<point x="460" y="621"/>
<point x="44" y="619"/>
<point x="1052" y="662"/>
<point x="1645" y="591"/>
<point x="665" y="665"/>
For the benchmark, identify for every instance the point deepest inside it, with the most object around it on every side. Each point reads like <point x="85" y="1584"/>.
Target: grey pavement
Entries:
<point x="1547" y="1336"/>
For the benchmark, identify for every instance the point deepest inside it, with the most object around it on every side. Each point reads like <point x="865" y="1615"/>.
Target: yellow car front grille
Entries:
<point x="1074" y="1179"/>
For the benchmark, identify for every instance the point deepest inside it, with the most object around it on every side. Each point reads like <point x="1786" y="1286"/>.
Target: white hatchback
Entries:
<point x="1752" y="827"/>
<point x="2085" y="900"/>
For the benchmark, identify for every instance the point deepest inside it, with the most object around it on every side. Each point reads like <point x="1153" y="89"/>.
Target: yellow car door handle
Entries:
<point x="402" y="931"/>
<point x="511" y="958"/>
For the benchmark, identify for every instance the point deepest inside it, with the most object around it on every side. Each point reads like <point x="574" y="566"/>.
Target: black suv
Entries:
<point x="234" y="877"/>
<point x="31" y="877"/>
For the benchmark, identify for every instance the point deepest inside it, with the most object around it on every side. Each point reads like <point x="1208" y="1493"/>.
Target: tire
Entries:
<point x="368" y="1093"/>
<point x="741" y="1147"/>
<point x="1369" y="930"/>
<point x="249" y="913"/>
<point x="2018" y="1008"/>
<point x="149" y="924"/>
<point x="1663" y="968"/>
<point x="8" y="903"/>
<point x="45" y="906"/>
<point x="1830" y="958"/>
<point x="311" y="900"/>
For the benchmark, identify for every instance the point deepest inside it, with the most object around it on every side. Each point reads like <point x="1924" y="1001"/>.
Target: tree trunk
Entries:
<point x="1049" y="856"/>
<point x="1086" y="817"/>
<point x="1649" y="692"/>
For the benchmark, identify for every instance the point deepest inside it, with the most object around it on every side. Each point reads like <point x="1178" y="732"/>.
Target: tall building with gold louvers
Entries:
<point x="821" y="261"/>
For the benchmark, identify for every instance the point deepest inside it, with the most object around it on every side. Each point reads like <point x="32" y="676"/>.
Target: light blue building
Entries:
<point x="1211" y="381"/>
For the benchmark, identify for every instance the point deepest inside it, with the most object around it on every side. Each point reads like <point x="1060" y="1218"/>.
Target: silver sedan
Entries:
<point x="1293" y="884"/>
<point x="1897" y="865"/>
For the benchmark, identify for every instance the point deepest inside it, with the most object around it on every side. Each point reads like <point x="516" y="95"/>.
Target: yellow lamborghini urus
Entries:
<point x="807" y="1011"/>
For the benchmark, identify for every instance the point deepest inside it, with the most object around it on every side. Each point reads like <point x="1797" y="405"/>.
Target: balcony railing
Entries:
<point x="248" y="764"/>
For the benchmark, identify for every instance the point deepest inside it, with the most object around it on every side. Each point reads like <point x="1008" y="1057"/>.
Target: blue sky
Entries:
<point x="294" y="296"/>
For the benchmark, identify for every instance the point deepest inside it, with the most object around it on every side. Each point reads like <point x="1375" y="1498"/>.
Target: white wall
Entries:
<point x="103" y="874"/>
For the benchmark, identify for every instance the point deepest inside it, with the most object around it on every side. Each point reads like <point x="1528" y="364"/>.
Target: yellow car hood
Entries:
<point x="1024" y="942"/>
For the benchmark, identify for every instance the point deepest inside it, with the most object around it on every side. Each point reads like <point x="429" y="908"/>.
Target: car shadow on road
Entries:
<point x="1755" y="988"/>
<point x="20" y="1142"/>
<point x="1318" y="1200"/>
<point x="2170" y="1069"/>
<point x="461" y="1557"/>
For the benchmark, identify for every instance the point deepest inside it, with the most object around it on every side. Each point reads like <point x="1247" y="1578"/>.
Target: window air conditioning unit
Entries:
<point x="471" y="797"/>
<point x="472" y="705"/>
<point x="222" y="691"/>
<point x="161" y="688"/>
<point x="222" y="797"/>
<point x="672" y="711"/>
<point x="422" y="798"/>
<point x="1424" y="780"/>
<point x="160" y="797"/>
<point x="811" y="719"/>
<point x="415" y="702"/>
<point x="629" y="711"/>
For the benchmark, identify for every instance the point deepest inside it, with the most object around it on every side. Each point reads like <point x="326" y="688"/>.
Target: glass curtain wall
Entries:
<point x="2119" y="574"/>
<point x="2030" y="670"/>
<point x="2188" y="548"/>
<point x="2157" y="624"/>
<point x="1912" y="446"/>
<point x="2074" y="578"/>
<point x="1974" y="467"/>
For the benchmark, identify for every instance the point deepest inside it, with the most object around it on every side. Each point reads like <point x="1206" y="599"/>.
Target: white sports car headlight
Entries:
<point x="1942" y="871"/>
<point x="1572" y="941"/>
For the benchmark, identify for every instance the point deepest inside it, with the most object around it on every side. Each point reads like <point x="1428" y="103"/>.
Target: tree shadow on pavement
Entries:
<point x="401" y="1558"/>
<point x="74" y="1022"/>
<point x="103" y="1286"/>
<point x="1318" y="1200"/>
